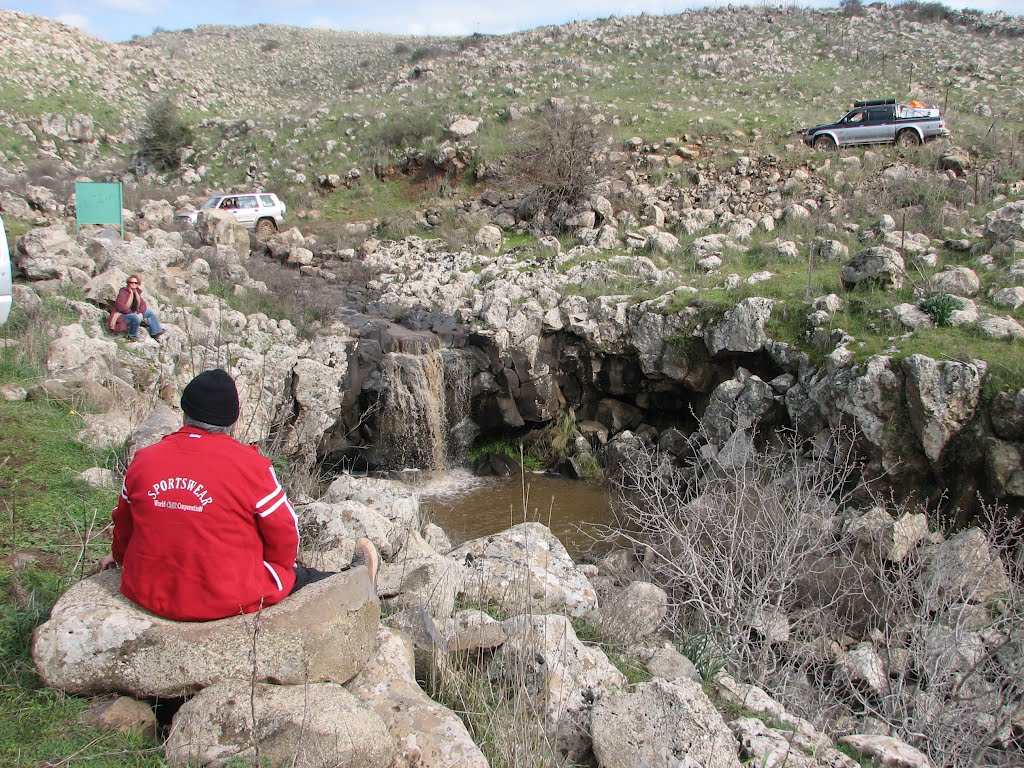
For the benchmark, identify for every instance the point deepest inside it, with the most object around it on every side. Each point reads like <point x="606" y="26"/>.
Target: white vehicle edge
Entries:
<point x="6" y="298"/>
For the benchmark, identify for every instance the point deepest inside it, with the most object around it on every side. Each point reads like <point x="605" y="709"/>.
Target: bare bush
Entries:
<point x="736" y="545"/>
<point x="164" y="134"/>
<point x="557" y="159"/>
<point x="783" y="581"/>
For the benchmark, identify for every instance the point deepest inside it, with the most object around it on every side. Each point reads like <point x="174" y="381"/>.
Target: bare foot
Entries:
<point x="366" y="554"/>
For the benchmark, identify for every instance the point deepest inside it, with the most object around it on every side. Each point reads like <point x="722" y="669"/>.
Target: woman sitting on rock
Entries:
<point x="130" y="311"/>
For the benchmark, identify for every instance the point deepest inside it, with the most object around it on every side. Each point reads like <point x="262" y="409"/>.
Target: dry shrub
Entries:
<point x="763" y="566"/>
<point x="557" y="159"/>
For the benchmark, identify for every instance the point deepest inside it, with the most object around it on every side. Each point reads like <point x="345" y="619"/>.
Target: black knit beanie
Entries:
<point x="211" y="397"/>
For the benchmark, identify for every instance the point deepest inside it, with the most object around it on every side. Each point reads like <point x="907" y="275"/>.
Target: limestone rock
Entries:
<point x="396" y="504"/>
<point x="123" y="714"/>
<point x="879" y="266"/>
<point x="490" y="237"/>
<point x="221" y="228"/>
<point x="862" y="666"/>
<point x="525" y="567"/>
<point x="963" y="569"/>
<point x="886" y="750"/>
<point x="1006" y="223"/>
<point x="634" y="613"/>
<point x="47" y="253"/>
<point x="741" y="329"/>
<point x="97" y="641"/>
<point x="562" y="675"/>
<point x="1001" y="328"/>
<point x="316" y="725"/>
<point x="955" y="159"/>
<point x="463" y="127"/>
<point x="1004" y="468"/>
<point x="430" y="581"/>
<point x="942" y="398"/>
<point x="669" y="664"/>
<point x="770" y="746"/>
<point x="958" y="281"/>
<point x="428" y="735"/>
<point x="658" y="725"/>
<point x="1008" y="297"/>
<point x="472" y="630"/>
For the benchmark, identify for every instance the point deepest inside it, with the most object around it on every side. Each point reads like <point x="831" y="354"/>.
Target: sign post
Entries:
<point x="99" y="203"/>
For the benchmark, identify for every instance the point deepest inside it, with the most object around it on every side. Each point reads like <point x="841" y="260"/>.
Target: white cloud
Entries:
<point x="323" y="22"/>
<point x="141" y="7"/>
<point x="73" y="20"/>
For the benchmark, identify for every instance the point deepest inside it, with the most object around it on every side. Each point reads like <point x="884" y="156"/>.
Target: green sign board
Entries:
<point x="98" y="203"/>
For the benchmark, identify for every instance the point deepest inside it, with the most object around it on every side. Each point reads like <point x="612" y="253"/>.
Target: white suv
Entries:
<point x="262" y="212"/>
<point x="5" y="276"/>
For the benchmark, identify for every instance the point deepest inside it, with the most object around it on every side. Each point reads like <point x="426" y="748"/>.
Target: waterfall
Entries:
<point x="412" y="424"/>
<point x="425" y="421"/>
<point x="460" y="430"/>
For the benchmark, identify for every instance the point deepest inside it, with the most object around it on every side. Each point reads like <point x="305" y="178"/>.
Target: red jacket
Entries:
<point x="123" y="304"/>
<point x="203" y="529"/>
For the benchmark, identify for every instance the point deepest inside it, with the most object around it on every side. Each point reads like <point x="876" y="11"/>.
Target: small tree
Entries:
<point x="164" y="134"/>
<point x="557" y="159"/>
<point x="852" y="7"/>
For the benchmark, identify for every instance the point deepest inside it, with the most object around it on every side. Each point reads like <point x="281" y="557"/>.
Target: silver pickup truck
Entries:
<point x="883" y="121"/>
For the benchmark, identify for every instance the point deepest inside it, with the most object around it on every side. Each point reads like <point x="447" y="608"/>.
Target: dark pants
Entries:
<point x="304" y="576"/>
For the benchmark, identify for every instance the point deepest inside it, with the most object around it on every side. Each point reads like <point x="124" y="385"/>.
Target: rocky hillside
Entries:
<point x="712" y="289"/>
<point x="287" y="104"/>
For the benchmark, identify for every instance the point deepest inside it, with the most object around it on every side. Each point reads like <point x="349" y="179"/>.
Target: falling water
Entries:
<point x="425" y="421"/>
<point x="412" y="423"/>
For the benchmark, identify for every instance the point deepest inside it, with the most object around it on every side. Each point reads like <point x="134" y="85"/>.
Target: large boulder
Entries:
<point x="886" y="750"/>
<point x="878" y="267"/>
<point x="97" y="641"/>
<point x="421" y="580"/>
<point x="661" y="725"/>
<point x="634" y="613"/>
<point x="544" y="659"/>
<point x="317" y="725"/>
<point x="222" y="228"/>
<point x="959" y="281"/>
<point x="50" y="252"/>
<point x="741" y="329"/>
<point x="525" y="568"/>
<point x="155" y="213"/>
<point x="1006" y="223"/>
<point x="942" y="397"/>
<point x="391" y="500"/>
<point x="428" y="734"/>
<point x="823" y="249"/>
<point x="955" y="159"/>
<point x="963" y="569"/>
<point x="1008" y="415"/>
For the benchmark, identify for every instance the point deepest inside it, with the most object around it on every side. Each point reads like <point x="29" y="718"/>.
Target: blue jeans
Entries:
<point x="134" y="320"/>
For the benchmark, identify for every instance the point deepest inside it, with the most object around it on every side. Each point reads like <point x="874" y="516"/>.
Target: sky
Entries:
<point x="119" y="20"/>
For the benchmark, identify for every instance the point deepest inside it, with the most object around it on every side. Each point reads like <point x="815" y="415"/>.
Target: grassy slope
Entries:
<point x="53" y="529"/>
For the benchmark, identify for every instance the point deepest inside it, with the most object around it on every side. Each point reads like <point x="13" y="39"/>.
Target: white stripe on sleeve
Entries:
<point x="278" y="503"/>
<point x="277" y="579"/>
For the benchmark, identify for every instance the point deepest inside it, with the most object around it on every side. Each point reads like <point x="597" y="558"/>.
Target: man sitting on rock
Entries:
<point x="202" y="528"/>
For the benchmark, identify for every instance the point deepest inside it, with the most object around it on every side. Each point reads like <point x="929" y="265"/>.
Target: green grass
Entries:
<point x="632" y="668"/>
<point x="53" y="530"/>
<point x="371" y="199"/>
<point x="510" y="450"/>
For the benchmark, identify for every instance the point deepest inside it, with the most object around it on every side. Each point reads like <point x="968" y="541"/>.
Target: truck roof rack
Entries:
<point x="874" y="103"/>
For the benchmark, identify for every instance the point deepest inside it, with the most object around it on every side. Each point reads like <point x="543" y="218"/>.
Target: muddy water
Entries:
<point x="468" y="507"/>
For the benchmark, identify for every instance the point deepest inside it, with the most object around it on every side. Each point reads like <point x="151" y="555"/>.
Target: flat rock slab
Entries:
<point x="320" y="725"/>
<point x="525" y="568"/>
<point x="97" y="641"/>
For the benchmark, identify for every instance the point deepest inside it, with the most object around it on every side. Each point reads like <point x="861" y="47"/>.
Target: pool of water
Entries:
<point x="468" y="507"/>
